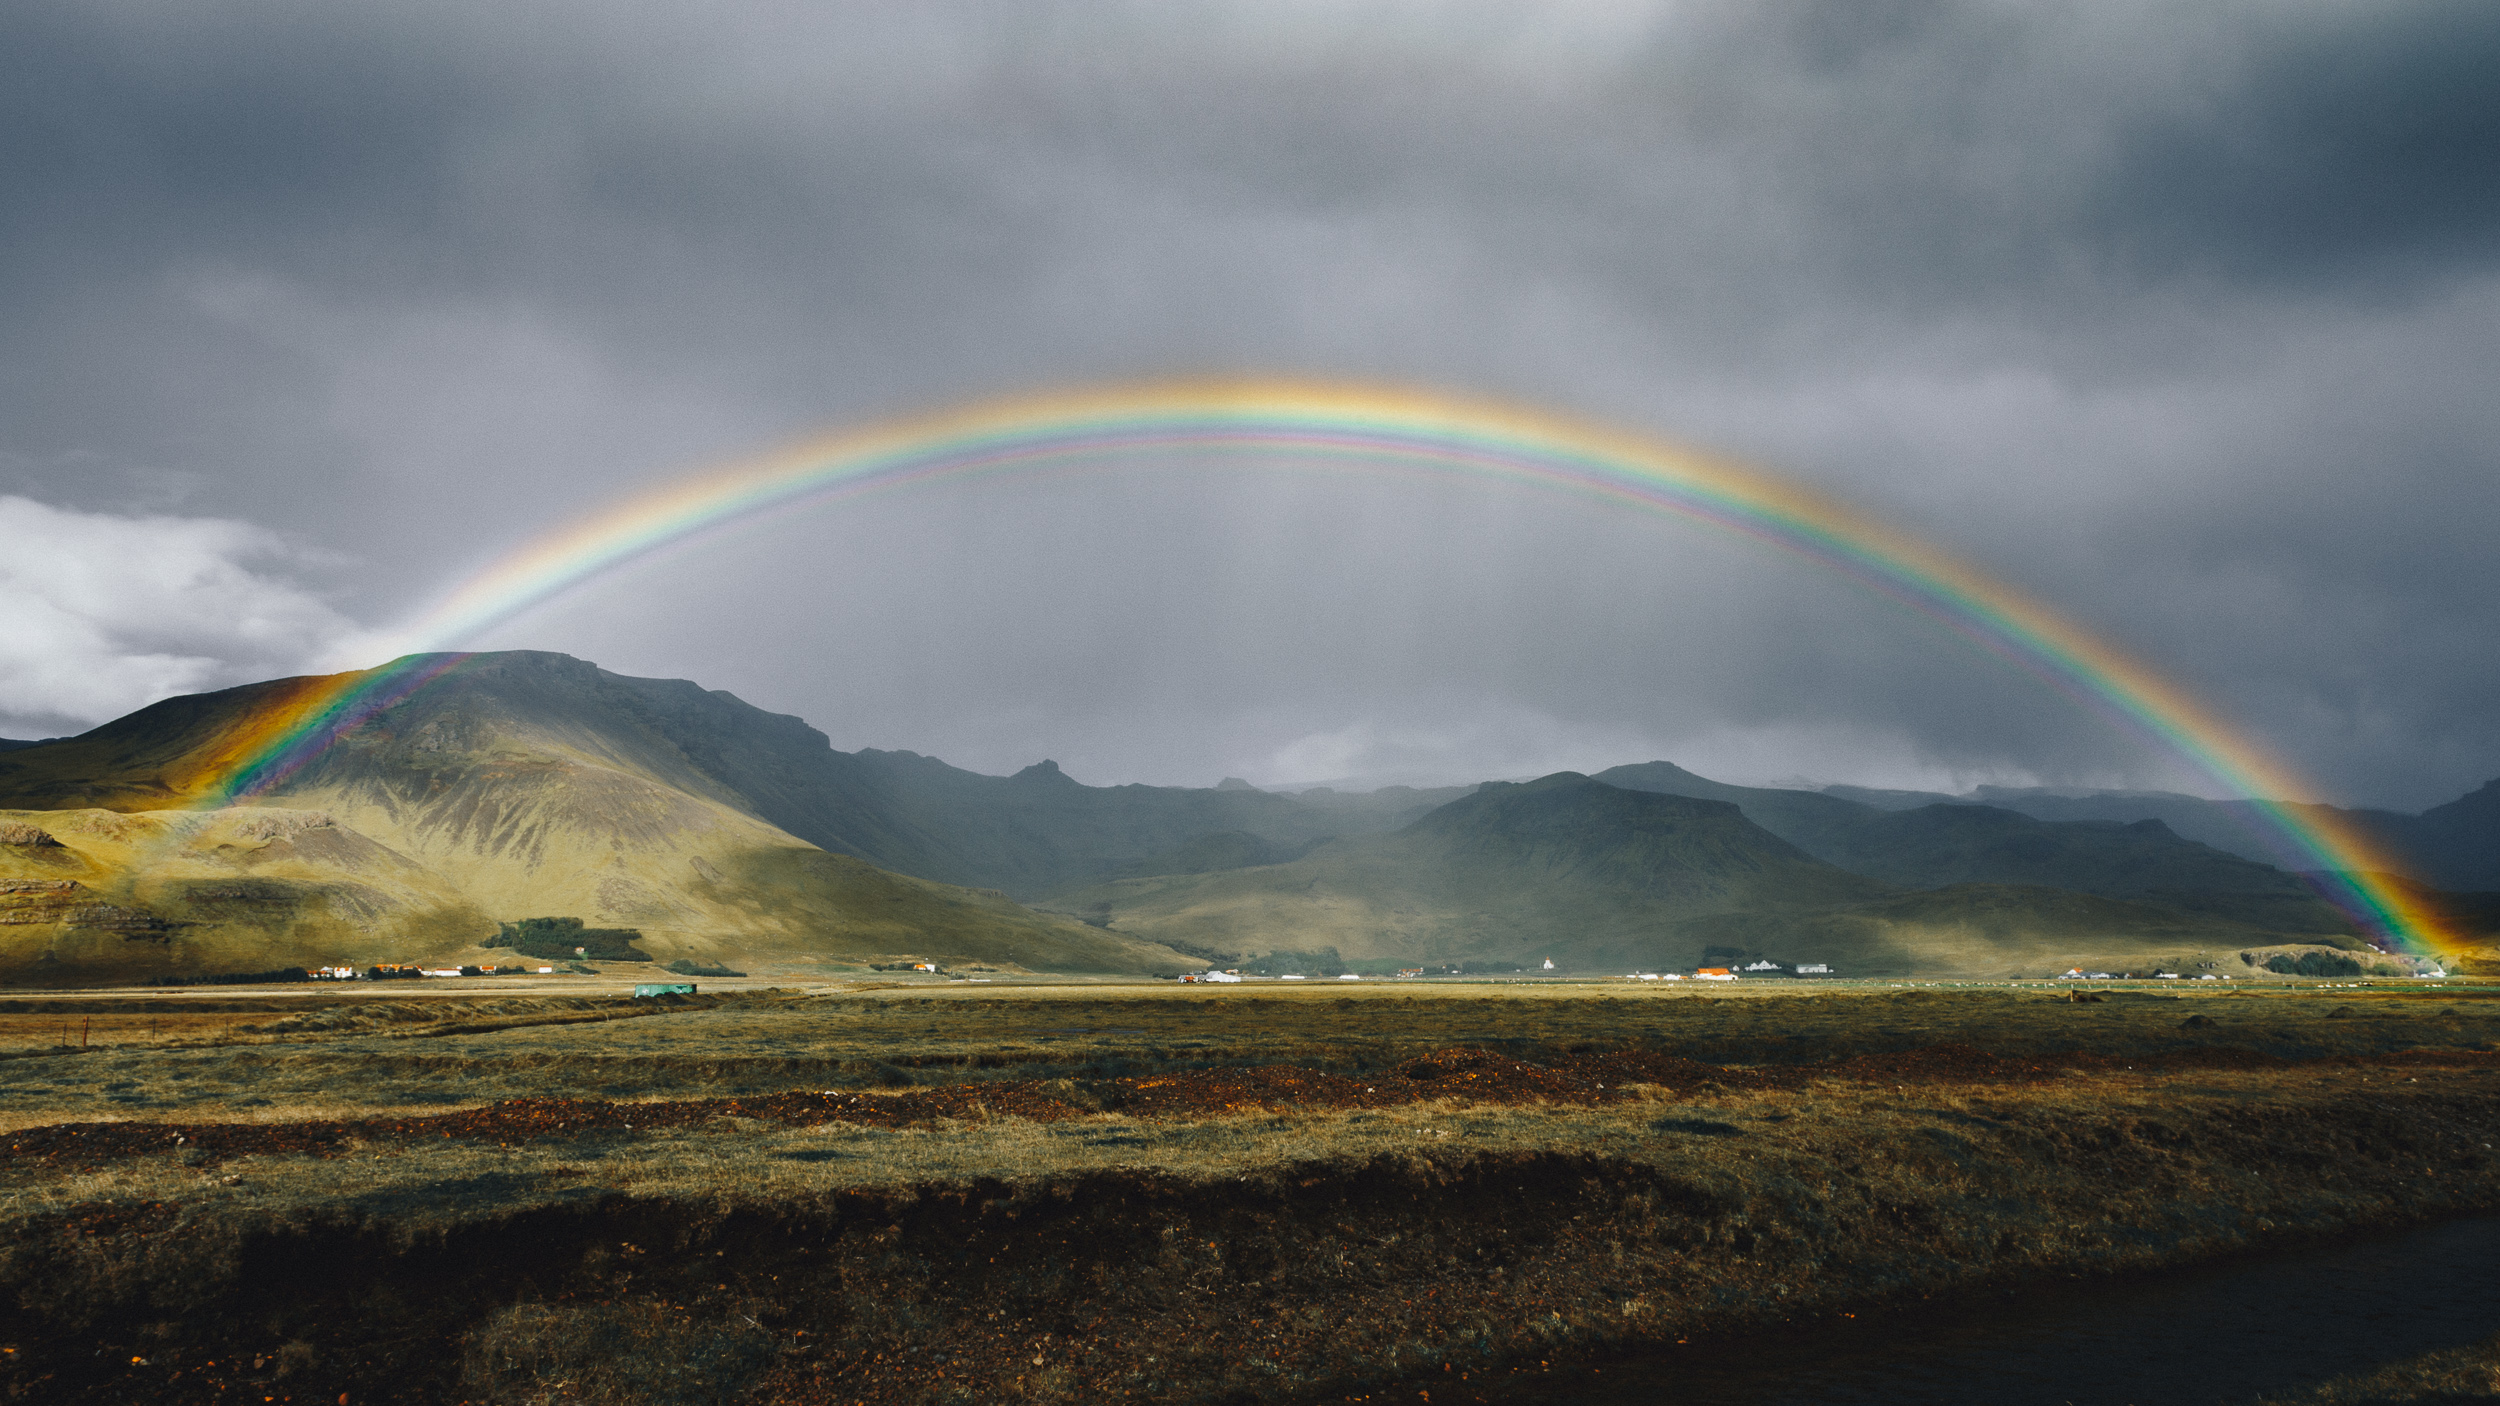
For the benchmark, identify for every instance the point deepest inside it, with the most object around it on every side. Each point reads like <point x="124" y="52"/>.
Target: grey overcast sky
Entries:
<point x="2184" y="319"/>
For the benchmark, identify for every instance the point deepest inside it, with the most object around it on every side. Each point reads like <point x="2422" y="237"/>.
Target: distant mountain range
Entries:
<point x="2454" y="846"/>
<point x="1591" y="872"/>
<point x="530" y="784"/>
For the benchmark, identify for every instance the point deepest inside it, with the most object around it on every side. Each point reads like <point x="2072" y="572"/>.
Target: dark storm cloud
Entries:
<point x="2353" y="148"/>
<point x="2174" y="318"/>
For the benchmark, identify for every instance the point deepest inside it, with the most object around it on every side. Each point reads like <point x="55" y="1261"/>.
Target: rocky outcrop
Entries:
<point x="69" y="903"/>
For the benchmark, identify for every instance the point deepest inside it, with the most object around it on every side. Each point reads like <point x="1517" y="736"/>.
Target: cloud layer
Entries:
<point x="110" y="613"/>
<point x="2178" y="318"/>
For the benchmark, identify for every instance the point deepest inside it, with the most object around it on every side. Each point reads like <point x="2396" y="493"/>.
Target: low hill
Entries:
<point x="1992" y="930"/>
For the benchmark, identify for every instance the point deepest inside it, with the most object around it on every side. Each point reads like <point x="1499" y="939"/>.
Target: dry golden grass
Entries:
<point x="697" y="1263"/>
<point x="323" y="1054"/>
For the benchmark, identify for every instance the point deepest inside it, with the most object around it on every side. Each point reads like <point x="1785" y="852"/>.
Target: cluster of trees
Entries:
<point x="688" y="966"/>
<point x="564" y="939"/>
<point x="2313" y="964"/>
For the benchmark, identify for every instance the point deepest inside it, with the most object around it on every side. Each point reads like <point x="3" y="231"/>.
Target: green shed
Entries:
<point x="663" y="988"/>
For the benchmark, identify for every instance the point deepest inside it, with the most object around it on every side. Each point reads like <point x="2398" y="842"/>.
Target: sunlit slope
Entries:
<point x="152" y="759"/>
<point x="98" y="895"/>
<point x="1562" y="863"/>
<point x="1983" y="930"/>
<point x="524" y="785"/>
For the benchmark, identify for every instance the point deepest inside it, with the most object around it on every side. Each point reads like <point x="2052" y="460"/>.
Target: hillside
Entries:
<point x="531" y="784"/>
<point x="1559" y="864"/>
<point x="1981" y="930"/>
<point x="1599" y="877"/>
<point x="1940" y="844"/>
<point x="2455" y="846"/>
<point x="521" y="785"/>
<point x="1027" y="834"/>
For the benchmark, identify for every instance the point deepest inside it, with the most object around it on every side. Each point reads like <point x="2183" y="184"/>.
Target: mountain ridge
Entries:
<point x="522" y="785"/>
<point x="1596" y="877"/>
<point x="528" y="779"/>
<point x="2453" y="846"/>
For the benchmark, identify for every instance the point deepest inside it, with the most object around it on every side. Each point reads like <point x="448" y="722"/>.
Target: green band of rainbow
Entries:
<point x="1372" y="428"/>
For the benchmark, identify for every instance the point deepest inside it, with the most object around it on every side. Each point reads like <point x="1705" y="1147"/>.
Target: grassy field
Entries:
<point x="955" y="1191"/>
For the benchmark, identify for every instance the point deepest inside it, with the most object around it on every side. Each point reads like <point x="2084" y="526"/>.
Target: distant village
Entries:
<point x="395" y="971"/>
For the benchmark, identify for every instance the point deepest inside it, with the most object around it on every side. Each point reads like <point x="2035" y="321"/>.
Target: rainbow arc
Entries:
<point x="1358" y="429"/>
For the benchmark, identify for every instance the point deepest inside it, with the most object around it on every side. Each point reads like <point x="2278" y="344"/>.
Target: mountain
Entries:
<point x="1601" y="877"/>
<point x="530" y="784"/>
<point x="2455" y="846"/>
<point x="1041" y="831"/>
<point x="1035" y="832"/>
<point x="1557" y="863"/>
<point x="517" y="785"/>
<point x="1946" y="843"/>
<point x="1812" y="822"/>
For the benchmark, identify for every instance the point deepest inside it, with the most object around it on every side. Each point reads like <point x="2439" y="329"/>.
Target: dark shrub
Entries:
<point x="2313" y="964"/>
<point x="688" y="966"/>
<point x="556" y="939"/>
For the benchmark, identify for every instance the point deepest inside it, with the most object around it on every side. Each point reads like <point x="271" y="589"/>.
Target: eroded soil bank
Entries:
<point x="1320" y="1253"/>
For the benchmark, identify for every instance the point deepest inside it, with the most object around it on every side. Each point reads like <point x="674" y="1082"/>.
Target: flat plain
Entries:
<point x="543" y="1190"/>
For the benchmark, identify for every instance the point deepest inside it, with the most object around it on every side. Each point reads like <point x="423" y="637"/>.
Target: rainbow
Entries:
<point x="288" y="730"/>
<point x="1357" y="428"/>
